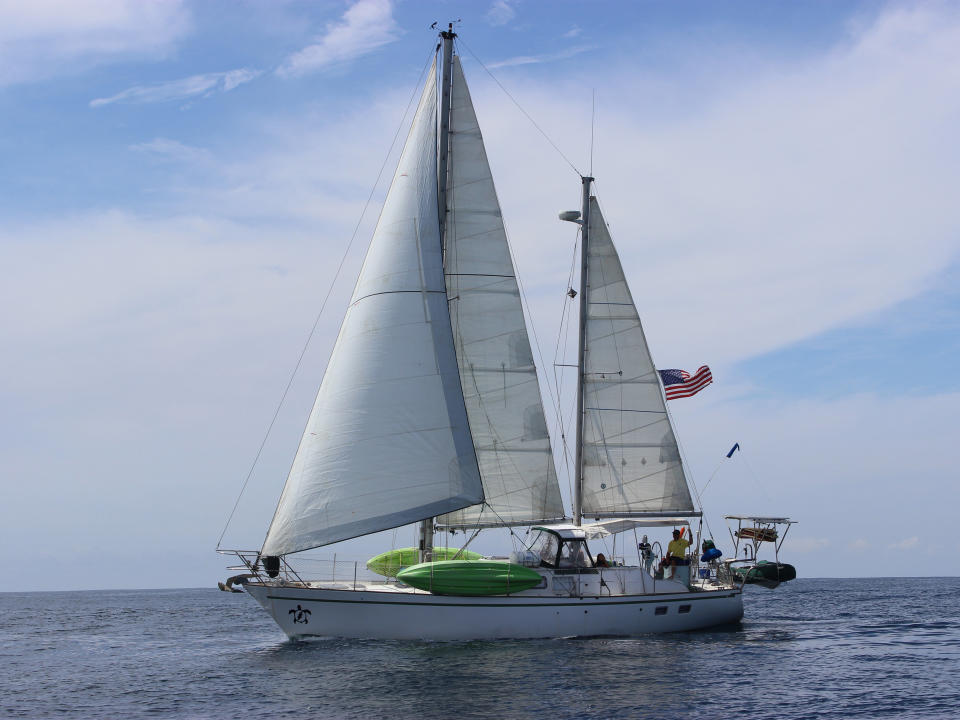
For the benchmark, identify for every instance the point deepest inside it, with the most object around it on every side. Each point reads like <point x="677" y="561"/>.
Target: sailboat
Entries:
<point x="430" y="412"/>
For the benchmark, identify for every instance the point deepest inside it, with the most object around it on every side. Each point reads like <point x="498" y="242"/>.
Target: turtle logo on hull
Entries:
<point x="300" y="615"/>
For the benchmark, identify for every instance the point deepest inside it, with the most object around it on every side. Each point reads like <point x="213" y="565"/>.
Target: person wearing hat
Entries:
<point x="676" y="551"/>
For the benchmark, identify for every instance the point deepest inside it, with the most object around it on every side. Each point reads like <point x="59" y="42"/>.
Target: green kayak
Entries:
<point x="470" y="577"/>
<point x="766" y="574"/>
<point x="391" y="562"/>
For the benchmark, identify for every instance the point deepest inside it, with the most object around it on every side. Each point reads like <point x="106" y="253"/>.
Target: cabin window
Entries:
<point x="662" y="610"/>
<point x="573" y="554"/>
<point x="683" y="609"/>
<point x="547" y="545"/>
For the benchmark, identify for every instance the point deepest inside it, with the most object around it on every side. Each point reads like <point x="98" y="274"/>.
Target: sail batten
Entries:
<point x="497" y="371"/>
<point x="631" y="462"/>
<point x="388" y="441"/>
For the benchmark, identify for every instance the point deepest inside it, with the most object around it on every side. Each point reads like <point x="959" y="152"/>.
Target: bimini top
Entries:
<point x="564" y="531"/>
<point x="594" y="531"/>
<point x="779" y="521"/>
<point x="612" y="527"/>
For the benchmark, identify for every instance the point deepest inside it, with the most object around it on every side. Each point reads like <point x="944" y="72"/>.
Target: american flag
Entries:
<point x="681" y="384"/>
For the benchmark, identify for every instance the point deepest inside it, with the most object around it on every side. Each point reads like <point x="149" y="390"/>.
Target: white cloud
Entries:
<point x="909" y="543"/>
<point x="235" y="78"/>
<point x="46" y="38"/>
<point x="537" y="59"/>
<point x="365" y="26"/>
<point x="500" y="13"/>
<point x="142" y="333"/>
<point x="573" y="32"/>
<point x="751" y="209"/>
<point x="173" y="150"/>
<point x="859" y="545"/>
<point x="182" y="89"/>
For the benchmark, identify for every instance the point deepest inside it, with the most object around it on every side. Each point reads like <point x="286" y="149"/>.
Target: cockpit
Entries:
<point x="562" y="547"/>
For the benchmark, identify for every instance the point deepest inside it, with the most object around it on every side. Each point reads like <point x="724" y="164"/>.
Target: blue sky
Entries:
<point x="911" y="346"/>
<point x="179" y="181"/>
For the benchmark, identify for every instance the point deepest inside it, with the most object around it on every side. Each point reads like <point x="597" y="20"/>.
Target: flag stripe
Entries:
<point x="688" y="389"/>
<point x="690" y="385"/>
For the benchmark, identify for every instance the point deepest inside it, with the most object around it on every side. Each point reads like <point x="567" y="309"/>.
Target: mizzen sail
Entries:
<point x="387" y="442"/>
<point x="631" y="462"/>
<point x="497" y="371"/>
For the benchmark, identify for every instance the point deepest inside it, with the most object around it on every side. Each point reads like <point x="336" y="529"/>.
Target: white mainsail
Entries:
<point x="387" y="442"/>
<point x="497" y="371"/>
<point x="631" y="462"/>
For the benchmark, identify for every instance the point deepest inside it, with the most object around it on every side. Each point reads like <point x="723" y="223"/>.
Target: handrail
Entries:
<point x="304" y="570"/>
<point x="580" y="581"/>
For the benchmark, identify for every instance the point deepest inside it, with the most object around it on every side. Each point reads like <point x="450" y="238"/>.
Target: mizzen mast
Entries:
<point x="581" y="350"/>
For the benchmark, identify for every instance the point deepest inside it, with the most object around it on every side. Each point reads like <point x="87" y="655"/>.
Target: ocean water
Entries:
<point x="870" y="648"/>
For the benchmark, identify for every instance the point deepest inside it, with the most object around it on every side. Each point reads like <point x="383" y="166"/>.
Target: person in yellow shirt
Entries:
<point x="676" y="551"/>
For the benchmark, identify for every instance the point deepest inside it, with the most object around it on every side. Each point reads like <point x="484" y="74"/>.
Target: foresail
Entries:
<point x="631" y="462"/>
<point x="497" y="371"/>
<point x="387" y="442"/>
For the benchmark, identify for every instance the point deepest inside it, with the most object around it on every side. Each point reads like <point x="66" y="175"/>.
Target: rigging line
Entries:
<point x="554" y="401"/>
<point x="566" y="445"/>
<point x="459" y="41"/>
<point x="520" y="107"/>
<point x="452" y="248"/>
<point x="712" y="475"/>
<point x="497" y="453"/>
<point x="564" y="336"/>
<point x="704" y="520"/>
<point x="565" y="310"/>
<point x="505" y="524"/>
<point x="558" y="380"/>
<point x="688" y="471"/>
<point x="323" y="305"/>
<point x="753" y="476"/>
<point x="568" y="460"/>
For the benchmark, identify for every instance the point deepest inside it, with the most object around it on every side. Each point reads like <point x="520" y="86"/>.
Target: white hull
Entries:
<point x="401" y="615"/>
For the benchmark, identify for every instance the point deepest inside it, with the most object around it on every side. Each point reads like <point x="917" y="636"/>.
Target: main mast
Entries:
<point x="581" y="350"/>
<point x="447" y="36"/>
<point x="444" y="144"/>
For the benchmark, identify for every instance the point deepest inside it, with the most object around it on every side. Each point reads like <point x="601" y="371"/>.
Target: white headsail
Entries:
<point x="387" y="442"/>
<point x="497" y="371"/>
<point x="631" y="462"/>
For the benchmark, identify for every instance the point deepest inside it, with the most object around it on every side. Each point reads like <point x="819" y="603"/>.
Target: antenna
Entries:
<point x="593" y="118"/>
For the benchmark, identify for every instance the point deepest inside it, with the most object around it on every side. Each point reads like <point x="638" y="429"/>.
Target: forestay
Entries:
<point x="497" y="371"/>
<point x="387" y="442"/>
<point x="631" y="463"/>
